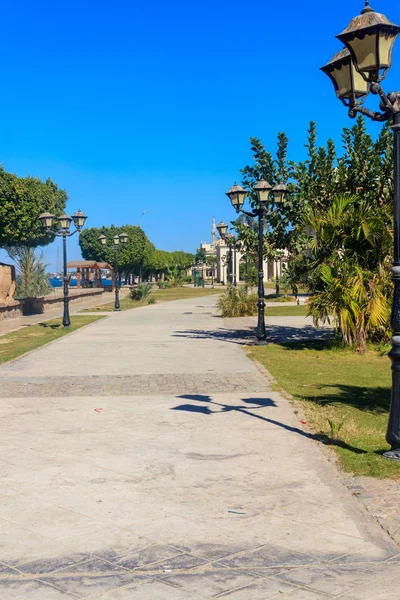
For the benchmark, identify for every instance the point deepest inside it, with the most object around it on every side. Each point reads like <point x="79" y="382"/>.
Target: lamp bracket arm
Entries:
<point x="374" y="115"/>
<point x="386" y="104"/>
<point x="252" y="214"/>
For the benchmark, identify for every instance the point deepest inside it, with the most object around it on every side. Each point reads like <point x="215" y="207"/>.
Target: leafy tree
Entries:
<point x="336" y="224"/>
<point x="130" y="257"/>
<point x="22" y="200"/>
<point x="200" y="257"/>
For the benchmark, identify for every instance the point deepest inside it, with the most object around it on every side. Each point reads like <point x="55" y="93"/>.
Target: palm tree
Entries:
<point x="350" y="268"/>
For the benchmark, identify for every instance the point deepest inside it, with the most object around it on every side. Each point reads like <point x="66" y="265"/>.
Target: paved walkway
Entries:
<point x="203" y="485"/>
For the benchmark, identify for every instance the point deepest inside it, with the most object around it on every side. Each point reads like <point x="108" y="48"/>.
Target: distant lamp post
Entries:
<point x="265" y="193"/>
<point x="278" y="271"/>
<point x="118" y="241"/>
<point x="47" y="220"/>
<point x="231" y="242"/>
<point x="222" y="229"/>
<point x="355" y="72"/>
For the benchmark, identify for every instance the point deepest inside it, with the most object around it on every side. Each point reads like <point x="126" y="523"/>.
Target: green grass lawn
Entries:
<point x="336" y="385"/>
<point x="23" y="340"/>
<point x="287" y="310"/>
<point x="165" y="295"/>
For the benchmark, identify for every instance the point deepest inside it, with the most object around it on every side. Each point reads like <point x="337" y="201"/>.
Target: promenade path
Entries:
<point x="145" y="457"/>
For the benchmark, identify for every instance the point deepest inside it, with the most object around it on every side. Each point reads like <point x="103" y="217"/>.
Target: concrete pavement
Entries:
<point x="146" y="457"/>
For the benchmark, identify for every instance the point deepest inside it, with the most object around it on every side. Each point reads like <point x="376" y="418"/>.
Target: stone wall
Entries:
<point x="36" y="306"/>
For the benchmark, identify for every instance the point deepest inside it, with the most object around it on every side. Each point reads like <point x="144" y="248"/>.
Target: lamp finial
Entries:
<point x="367" y="8"/>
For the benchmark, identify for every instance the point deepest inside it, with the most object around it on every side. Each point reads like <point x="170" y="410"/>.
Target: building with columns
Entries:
<point x="220" y="250"/>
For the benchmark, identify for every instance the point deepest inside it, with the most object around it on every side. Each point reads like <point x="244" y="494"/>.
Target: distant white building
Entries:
<point x="220" y="250"/>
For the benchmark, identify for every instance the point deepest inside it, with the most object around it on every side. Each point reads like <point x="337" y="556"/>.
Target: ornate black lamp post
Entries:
<point x="264" y="191"/>
<point x="355" y="72"/>
<point x="65" y="221"/>
<point x="118" y="241"/>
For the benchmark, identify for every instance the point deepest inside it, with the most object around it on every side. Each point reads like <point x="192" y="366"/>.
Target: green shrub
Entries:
<point x="32" y="281"/>
<point x="237" y="302"/>
<point x="273" y="298"/>
<point x="151" y="300"/>
<point x="141" y="292"/>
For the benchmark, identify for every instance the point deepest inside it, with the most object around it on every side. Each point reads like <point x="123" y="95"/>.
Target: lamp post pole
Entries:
<point x="231" y="241"/>
<point x="234" y="266"/>
<point x="222" y="229"/>
<point x="277" y="263"/>
<point x="118" y="241"/>
<point x="355" y="72"/>
<point x="261" y="331"/>
<point x="263" y="191"/>
<point x="393" y="430"/>
<point x="117" y="306"/>
<point x="66" y="320"/>
<point x="47" y="220"/>
<point x="230" y="277"/>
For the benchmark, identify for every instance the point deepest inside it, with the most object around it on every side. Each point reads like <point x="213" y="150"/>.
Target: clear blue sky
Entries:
<point x="149" y="105"/>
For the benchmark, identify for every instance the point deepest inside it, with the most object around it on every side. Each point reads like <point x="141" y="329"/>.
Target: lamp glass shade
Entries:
<point x="237" y="196"/>
<point x="262" y="189"/>
<point x="79" y="219"/>
<point x="348" y="82"/>
<point x="102" y="239"/>
<point x="279" y="192"/>
<point x="65" y="222"/>
<point x="123" y="238"/>
<point x="46" y="220"/>
<point x="370" y="39"/>
<point x="116" y="240"/>
<point x="222" y="229"/>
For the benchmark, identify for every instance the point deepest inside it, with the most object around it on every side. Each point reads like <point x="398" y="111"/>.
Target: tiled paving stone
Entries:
<point x="269" y="556"/>
<point x="271" y="589"/>
<point x="138" y="385"/>
<point x="7" y="570"/>
<point x="143" y="559"/>
<point x="19" y="589"/>
<point x="84" y="586"/>
<point x="93" y="566"/>
<point x="381" y="499"/>
<point x="335" y="580"/>
<point x="38" y="567"/>
<point x="182" y="562"/>
<point x="384" y="587"/>
<point x="211" y="583"/>
<point x="150" y="590"/>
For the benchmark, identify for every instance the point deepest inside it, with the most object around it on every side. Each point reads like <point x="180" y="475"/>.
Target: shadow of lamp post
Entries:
<point x="265" y="193"/>
<point x="65" y="221"/>
<point x="118" y="241"/>
<point x="356" y="71"/>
